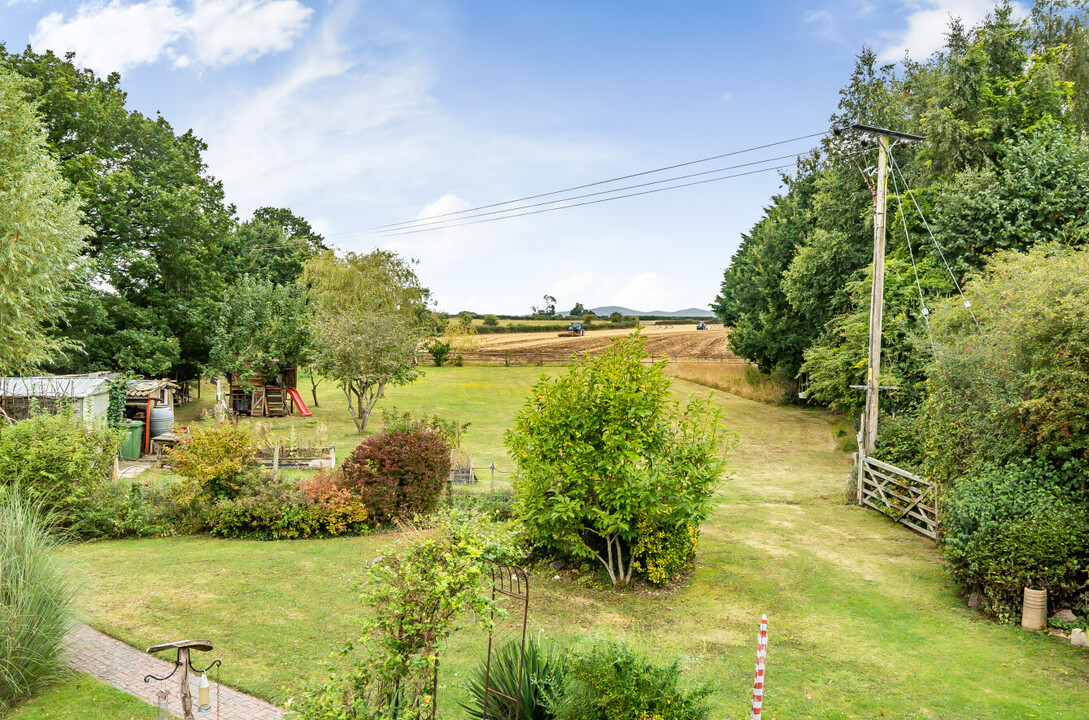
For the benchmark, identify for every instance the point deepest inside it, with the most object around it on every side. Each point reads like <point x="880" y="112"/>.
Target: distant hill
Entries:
<point x="689" y="312"/>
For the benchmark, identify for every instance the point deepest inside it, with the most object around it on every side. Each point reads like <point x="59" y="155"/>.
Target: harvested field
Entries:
<point x="675" y="342"/>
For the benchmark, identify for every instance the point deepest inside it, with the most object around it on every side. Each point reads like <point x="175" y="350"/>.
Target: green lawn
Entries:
<point x="488" y="397"/>
<point x="863" y="621"/>
<point x="81" y="696"/>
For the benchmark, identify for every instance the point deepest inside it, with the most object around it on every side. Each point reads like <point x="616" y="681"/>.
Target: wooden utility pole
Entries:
<point x="877" y="297"/>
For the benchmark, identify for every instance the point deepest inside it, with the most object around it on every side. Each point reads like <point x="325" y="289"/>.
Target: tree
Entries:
<point x="578" y="310"/>
<point x="275" y="245"/>
<point x="262" y="328"/>
<point x="606" y="459"/>
<point x="41" y="237"/>
<point x="159" y="221"/>
<point x="616" y="317"/>
<point x="370" y="314"/>
<point x="548" y="308"/>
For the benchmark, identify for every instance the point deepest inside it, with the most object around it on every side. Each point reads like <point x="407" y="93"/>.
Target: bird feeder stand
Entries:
<point x="185" y="664"/>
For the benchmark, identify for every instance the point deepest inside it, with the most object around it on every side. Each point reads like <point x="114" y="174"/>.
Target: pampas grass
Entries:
<point x="35" y="599"/>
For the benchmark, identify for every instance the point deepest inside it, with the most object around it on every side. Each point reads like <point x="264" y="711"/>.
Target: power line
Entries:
<point x="599" y="182"/>
<point x="431" y="221"/>
<point x="454" y="223"/>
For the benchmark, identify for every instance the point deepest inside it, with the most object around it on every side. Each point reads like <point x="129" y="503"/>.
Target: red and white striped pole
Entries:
<point x="758" y="682"/>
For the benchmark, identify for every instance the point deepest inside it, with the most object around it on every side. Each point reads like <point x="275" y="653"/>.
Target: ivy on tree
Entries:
<point x="602" y="448"/>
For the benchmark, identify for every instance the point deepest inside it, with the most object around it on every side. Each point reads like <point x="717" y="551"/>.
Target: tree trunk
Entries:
<point x="314" y="387"/>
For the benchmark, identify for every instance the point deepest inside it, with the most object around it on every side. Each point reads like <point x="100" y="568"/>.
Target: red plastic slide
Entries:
<point x="298" y="402"/>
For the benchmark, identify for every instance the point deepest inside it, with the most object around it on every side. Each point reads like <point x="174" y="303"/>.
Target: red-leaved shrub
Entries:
<point x="336" y="509"/>
<point x="398" y="473"/>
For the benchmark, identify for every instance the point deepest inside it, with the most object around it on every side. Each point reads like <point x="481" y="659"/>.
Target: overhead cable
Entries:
<point x="604" y="182"/>
<point x="453" y="223"/>
<point x="956" y="283"/>
<point x="433" y="221"/>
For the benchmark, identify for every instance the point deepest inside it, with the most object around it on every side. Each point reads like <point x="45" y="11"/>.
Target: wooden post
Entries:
<point x="186" y="697"/>
<point x="471" y="471"/>
<point x="877" y="301"/>
<point x="491" y="484"/>
<point x="276" y="459"/>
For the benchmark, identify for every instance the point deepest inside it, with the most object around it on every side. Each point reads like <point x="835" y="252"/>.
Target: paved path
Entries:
<point x="124" y="667"/>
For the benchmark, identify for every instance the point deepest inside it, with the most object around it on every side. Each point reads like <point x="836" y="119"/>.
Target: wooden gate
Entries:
<point x="904" y="497"/>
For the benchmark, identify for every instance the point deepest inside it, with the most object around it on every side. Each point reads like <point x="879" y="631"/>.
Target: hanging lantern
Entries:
<point x="164" y="704"/>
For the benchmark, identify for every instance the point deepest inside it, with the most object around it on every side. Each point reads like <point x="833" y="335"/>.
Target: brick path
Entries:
<point x="124" y="667"/>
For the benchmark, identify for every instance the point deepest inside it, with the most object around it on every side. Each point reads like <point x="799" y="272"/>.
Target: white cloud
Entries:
<point x="928" y="22"/>
<point x="584" y="287"/>
<point x="226" y="31"/>
<point x="119" y="35"/>
<point x="647" y="292"/>
<point x="114" y="36"/>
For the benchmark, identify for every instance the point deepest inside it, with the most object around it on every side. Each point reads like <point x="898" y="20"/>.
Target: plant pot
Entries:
<point x="1034" y="610"/>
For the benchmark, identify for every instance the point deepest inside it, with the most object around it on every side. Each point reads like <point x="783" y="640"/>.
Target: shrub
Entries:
<point x="1007" y="527"/>
<point x="58" y="461"/>
<point x="416" y="598"/>
<point x="498" y="541"/>
<point x="616" y="318"/>
<point x="459" y="360"/>
<point x="603" y="445"/>
<point x="117" y="509"/>
<point x="541" y="678"/>
<point x="35" y="599"/>
<point x="277" y="510"/>
<point x="335" y="508"/>
<point x="491" y="321"/>
<point x="398" y="473"/>
<point x="665" y="547"/>
<point x="440" y="350"/>
<point x="216" y="459"/>
<point x="610" y="682"/>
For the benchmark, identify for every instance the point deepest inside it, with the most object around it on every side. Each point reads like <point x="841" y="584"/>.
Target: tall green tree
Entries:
<point x="370" y="313"/>
<point x="262" y="327"/>
<point x="159" y="221"/>
<point x="275" y="244"/>
<point x="41" y="235"/>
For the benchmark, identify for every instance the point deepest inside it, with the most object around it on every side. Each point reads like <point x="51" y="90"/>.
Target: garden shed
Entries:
<point x="88" y="395"/>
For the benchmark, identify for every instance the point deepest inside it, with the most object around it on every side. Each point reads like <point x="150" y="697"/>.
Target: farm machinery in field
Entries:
<point x="701" y="325"/>
<point x="573" y="330"/>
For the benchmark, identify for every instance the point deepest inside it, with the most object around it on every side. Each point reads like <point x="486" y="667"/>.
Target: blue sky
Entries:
<point x="356" y="114"/>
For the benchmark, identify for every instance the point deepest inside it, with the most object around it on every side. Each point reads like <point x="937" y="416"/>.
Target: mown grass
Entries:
<point x="81" y="696"/>
<point x="864" y="621"/>
<point x="487" y="397"/>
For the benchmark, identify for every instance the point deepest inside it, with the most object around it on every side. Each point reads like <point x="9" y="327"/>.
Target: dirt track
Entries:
<point x="677" y="342"/>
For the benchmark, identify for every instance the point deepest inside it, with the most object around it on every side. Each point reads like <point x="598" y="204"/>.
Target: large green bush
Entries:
<point x="35" y="599"/>
<point x="607" y="681"/>
<point x="1005" y="528"/>
<point x="600" y="448"/>
<point x="58" y="461"/>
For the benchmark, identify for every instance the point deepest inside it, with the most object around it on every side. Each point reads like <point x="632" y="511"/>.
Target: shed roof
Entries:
<point x="57" y="386"/>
